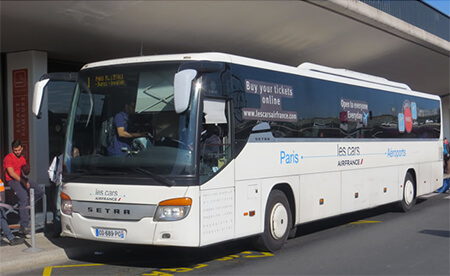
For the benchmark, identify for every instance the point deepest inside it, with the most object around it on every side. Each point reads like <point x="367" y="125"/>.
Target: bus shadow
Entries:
<point x="438" y="233"/>
<point x="146" y="256"/>
<point x="340" y="220"/>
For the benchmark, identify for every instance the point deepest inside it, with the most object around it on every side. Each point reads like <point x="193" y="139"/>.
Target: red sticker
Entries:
<point x="408" y="120"/>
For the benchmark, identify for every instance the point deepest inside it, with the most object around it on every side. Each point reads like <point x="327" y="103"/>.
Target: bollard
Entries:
<point x="33" y="247"/>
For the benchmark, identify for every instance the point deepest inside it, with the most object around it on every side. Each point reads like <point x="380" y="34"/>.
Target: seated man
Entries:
<point x="121" y="142"/>
<point x="16" y="167"/>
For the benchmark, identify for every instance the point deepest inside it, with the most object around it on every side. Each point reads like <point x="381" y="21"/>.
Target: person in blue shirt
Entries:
<point x="446" y="155"/>
<point x="121" y="142"/>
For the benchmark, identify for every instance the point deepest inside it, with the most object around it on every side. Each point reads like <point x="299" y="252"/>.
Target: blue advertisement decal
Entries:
<point x="401" y="122"/>
<point x="414" y="110"/>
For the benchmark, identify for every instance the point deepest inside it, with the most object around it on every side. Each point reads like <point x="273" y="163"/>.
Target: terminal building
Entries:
<point x="402" y="41"/>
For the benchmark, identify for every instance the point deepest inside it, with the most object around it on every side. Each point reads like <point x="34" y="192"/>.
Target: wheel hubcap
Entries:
<point x="408" y="193"/>
<point x="278" y="221"/>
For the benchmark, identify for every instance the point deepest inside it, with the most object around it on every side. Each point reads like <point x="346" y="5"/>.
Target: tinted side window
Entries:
<point x="320" y="108"/>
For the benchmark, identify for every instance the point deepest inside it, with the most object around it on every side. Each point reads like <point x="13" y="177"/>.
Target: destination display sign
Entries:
<point x="109" y="80"/>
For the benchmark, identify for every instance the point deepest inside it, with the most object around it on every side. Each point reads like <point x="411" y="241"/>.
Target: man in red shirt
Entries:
<point x="16" y="167"/>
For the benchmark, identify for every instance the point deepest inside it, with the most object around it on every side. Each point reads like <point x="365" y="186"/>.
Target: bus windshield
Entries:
<point x="123" y="126"/>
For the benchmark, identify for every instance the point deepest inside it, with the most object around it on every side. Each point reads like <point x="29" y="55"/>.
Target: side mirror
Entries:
<point x="182" y="86"/>
<point x="38" y="96"/>
<point x="39" y="88"/>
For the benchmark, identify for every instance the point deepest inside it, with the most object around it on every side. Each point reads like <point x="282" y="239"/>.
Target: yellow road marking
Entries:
<point x="160" y="272"/>
<point x="365" y="221"/>
<point x="264" y="254"/>
<point x="48" y="269"/>
<point x="178" y="269"/>
<point x="200" y="266"/>
<point x="227" y="258"/>
<point x="243" y="254"/>
<point x="157" y="273"/>
<point x="173" y="270"/>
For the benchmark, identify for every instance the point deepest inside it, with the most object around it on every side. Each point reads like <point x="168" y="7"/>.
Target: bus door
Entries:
<point x="215" y="138"/>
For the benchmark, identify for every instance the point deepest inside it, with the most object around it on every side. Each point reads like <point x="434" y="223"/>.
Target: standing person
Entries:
<point x="446" y="154"/>
<point x="55" y="175"/>
<point x="4" y="227"/>
<point x="16" y="167"/>
<point x="123" y="136"/>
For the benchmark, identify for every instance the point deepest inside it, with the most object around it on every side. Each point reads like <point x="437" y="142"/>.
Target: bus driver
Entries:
<point x="121" y="142"/>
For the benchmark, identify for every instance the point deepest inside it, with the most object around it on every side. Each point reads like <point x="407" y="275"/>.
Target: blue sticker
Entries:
<point x="414" y="110"/>
<point x="401" y="122"/>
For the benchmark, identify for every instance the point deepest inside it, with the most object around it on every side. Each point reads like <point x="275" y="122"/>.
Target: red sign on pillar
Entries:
<point x="20" y="109"/>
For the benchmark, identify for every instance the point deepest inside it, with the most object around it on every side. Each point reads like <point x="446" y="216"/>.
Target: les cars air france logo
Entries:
<point x="107" y="195"/>
<point x="350" y="162"/>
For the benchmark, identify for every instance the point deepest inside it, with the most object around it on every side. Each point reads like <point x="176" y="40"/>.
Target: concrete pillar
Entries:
<point x="23" y="70"/>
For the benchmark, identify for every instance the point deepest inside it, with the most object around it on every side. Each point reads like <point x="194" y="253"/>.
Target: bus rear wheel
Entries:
<point x="409" y="194"/>
<point x="277" y="223"/>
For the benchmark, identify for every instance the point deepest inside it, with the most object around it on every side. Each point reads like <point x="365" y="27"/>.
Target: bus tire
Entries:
<point x="277" y="223"/>
<point x="409" y="194"/>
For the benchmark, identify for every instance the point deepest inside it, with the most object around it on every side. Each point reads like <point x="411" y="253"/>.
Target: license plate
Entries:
<point x="110" y="233"/>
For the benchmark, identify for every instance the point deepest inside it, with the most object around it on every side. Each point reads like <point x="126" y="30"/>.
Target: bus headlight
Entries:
<point x="66" y="204"/>
<point x="173" y="209"/>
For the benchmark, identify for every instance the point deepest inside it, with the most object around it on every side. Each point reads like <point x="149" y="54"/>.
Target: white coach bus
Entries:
<point x="237" y="147"/>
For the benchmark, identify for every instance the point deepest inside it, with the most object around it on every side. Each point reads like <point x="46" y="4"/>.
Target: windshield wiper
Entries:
<point x="162" y="179"/>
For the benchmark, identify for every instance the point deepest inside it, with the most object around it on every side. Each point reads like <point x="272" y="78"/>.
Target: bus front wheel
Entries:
<point x="277" y="223"/>
<point x="409" y="194"/>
